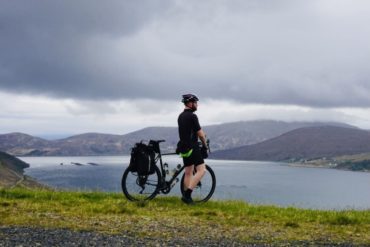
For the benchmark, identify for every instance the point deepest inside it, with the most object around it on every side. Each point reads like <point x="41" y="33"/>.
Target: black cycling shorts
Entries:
<point x="194" y="159"/>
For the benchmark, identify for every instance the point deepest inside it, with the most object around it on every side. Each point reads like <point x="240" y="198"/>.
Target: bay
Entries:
<point x="254" y="182"/>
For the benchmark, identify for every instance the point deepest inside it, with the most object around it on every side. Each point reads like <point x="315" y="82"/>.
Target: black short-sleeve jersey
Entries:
<point x="188" y="127"/>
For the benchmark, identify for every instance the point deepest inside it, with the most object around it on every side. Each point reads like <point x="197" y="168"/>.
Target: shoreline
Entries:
<point x="295" y="164"/>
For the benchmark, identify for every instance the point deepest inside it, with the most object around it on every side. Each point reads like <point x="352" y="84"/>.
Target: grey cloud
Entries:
<point x="272" y="52"/>
<point x="45" y="44"/>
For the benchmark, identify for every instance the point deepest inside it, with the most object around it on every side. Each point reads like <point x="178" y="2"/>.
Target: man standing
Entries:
<point x="189" y="132"/>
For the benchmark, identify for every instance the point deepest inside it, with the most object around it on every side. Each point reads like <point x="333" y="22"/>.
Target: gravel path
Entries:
<point x="26" y="236"/>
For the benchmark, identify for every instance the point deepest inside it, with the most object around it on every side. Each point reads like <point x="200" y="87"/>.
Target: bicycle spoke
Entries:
<point x="138" y="188"/>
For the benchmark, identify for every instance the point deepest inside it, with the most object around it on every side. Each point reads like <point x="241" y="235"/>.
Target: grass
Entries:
<point x="168" y="217"/>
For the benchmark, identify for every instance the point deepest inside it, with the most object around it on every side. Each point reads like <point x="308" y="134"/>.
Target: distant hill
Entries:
<point x="236" y="134"/>
<point x="304" y="143"/>
<point x="223" y="136"/>
<point x="14" y="141"/>
<point x="85" y="144"/>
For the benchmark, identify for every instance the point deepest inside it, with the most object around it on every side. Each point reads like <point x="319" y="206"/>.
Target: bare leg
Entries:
<point x="188" y="176"/>
<point x="201" y="170"/>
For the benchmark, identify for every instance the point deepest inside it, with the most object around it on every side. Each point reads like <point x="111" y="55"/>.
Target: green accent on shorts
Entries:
<point x="187" y="154"/>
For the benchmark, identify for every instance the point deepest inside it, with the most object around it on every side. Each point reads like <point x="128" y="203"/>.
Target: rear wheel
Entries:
<point x="205" y="188"/>
<point x="140" y="188"/>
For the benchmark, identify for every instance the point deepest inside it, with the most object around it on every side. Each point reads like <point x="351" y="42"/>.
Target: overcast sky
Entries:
<point x="68" y="67"/>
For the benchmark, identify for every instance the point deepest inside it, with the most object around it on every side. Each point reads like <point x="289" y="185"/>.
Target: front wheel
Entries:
<point x="140" y="188"/>
<point x="204" y="189"/>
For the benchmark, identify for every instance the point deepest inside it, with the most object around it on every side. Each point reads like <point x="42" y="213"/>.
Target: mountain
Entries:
<point x="89" y="144"/>
<point x="223" y="136"/>
<point x="304" y="143"/>
<point x="236" y="134"/>
<point x="20" y="143"/>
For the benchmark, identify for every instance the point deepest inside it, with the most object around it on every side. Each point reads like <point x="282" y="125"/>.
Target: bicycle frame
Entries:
<point x="163" y="172"/>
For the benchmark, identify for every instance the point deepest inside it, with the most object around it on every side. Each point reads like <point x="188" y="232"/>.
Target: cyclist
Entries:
<point x="189" y="132"/>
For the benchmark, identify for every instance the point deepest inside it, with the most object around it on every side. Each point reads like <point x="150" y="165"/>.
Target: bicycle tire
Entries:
<point x="205" y="189"/>
<point x="132" y="189"/>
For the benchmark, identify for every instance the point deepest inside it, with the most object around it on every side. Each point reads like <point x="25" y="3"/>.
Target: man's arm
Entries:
<point x="202" y="137"/>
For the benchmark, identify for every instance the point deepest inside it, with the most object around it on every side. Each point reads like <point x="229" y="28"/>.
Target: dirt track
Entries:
<point x="25" y="236"/>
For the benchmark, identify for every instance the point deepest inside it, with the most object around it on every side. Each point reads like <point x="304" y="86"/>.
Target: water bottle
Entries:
<point x="176" y="170"/>
<point x="172" y="172"/>
<point x="174" y="182"/>
<point x="165" y="165"/>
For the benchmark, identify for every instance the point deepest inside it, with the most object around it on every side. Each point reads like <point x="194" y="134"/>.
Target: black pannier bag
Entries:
<point x="142" y="159"/>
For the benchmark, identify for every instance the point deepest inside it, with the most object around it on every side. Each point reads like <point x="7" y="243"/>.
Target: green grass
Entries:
<point x="168" y="217"/>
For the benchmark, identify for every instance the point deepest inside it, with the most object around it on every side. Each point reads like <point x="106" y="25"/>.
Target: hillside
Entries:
<point x="12" y="162"/>
<point x="355" y="162"/>
<point x="223" y="136"/>
<point x="11" y="172"/>
<point x="304" y="143"/>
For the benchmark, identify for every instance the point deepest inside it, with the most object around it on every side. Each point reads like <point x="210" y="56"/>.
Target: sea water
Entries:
<point x="254" y="182"/>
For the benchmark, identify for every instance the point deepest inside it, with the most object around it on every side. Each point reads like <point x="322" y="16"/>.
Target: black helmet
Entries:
<point x="189" y="98"/>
